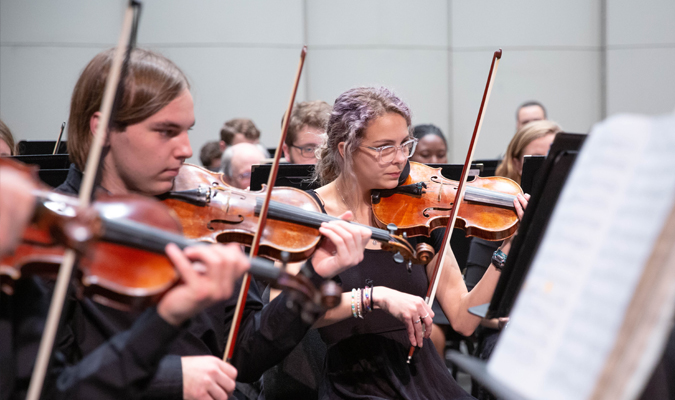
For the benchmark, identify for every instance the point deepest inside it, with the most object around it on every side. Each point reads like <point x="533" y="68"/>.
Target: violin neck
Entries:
<point x="284" y="212"/>
<point x="140" y="236"/>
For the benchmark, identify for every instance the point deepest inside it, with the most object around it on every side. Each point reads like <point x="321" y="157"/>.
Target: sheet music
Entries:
<point x="609" y="214"/>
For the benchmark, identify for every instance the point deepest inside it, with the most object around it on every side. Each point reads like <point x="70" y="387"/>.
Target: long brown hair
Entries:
<point x="152" y="82"/>
<point x="525" y="135"/>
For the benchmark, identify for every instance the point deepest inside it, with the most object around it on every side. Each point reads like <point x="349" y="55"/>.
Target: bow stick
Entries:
<point x="438" y="268"/>
<point x="86" y="190"/>
<point x="246" y="282"/>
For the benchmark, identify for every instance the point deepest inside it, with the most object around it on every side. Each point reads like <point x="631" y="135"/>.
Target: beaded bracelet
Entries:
<point x="353" y="303"/>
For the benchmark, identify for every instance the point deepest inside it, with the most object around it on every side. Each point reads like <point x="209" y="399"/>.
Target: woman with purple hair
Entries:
<point x="382" y="312"/>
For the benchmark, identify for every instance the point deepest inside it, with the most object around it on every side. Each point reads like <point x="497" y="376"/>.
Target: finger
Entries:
<point x="224" y="382"/>
<point x="409" y="325"/>
<point x="181" y="262"/>
<point x="216" y="392"/>
<point x="519" y="208"/>
<point x="209" y="255"/>
<point x="338" y="238"/>
<point x="231" y="374"/>
<point x="527" y="196"/>
<point x="348" y="235"/>
<point x="419" y="327"/>
<point x="428" y="322"/>
<point x="347" y="216"/>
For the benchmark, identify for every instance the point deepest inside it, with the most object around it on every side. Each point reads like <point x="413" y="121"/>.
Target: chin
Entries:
<point x="160" y="188"/>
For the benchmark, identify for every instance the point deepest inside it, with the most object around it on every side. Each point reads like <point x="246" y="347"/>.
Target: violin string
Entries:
<point x="295" y="214"/>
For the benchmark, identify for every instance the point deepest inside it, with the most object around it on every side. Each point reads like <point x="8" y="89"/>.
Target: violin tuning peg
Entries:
<point x="405" y="235"/>
<point x="392" y="228"/>
<point x="398" y="257"/>
<point x="409" y="267"/>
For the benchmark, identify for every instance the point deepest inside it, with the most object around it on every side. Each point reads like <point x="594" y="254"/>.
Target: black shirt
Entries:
<point x="265" y="336"/>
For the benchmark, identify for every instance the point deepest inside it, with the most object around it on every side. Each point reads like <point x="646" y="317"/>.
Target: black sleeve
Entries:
<point x="480" y="256"/>
<point x="267" y="335"/>
<point x="122" y="367"/>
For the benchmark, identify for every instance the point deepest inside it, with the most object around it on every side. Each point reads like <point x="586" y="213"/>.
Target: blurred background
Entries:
<point x="583" y="59"/>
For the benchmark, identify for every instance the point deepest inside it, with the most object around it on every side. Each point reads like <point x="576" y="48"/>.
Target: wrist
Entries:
<point x="169" y="317"/>
<point x="498" y="259"/>
<point x="377" y="299"/>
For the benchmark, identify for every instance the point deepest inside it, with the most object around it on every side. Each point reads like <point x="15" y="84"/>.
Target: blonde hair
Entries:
<point x="152" y="82"/>
<point x="352" y="112"/>
<point x="525" y="135"/>
<point x="6" y="136"/>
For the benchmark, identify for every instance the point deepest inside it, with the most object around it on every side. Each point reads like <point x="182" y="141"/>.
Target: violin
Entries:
<point x="210" y="210"/>
<point x="121" y="242"/>
<point x="424" y="200"/>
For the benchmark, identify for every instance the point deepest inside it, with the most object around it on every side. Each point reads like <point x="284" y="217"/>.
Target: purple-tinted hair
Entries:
<point x="352" y="112"/>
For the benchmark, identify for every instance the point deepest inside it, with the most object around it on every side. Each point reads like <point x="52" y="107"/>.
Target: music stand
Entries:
<point x="548" y="184"/>
<point x="531" y="165"/>
<point x="30" y="147"/>
<point x="53" y="168"/>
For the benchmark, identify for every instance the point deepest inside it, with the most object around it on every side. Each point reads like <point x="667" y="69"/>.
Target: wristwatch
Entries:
<point x="498" y="259"/>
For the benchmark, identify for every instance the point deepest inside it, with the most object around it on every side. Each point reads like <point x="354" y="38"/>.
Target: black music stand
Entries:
<point x="548" y="184"/>
<point x="531" y="165"/>
<point x="29" y="147"/>
<point x="489" y="166"/>
<point x="53" y="168"/>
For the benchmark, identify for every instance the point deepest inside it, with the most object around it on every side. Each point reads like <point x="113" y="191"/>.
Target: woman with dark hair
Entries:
<point x="382" y="311"/>
<point x="432" y="148"/>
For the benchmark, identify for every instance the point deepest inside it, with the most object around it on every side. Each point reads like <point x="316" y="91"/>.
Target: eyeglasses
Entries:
<point x="242" y="176"/>
<point x="307" y="151"/>
<point x="387" y="154"/>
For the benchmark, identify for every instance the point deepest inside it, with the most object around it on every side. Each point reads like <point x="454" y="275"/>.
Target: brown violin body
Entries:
<point x="213" y="211"/>
<point x="116" y="275"/>
<point x="225" y="214"/>
<point x="424" y="201"/>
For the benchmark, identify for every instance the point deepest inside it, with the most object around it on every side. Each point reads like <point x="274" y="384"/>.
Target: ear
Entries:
<point x="341" y="149"/>
<point x="93" y="126"/>
<point x="284" y="147"/>
<point x="223" y="146"/>
<point x="93" y="122"/>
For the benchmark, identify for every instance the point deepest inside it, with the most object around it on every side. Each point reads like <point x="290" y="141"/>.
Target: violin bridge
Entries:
<point x="440" y="192"/>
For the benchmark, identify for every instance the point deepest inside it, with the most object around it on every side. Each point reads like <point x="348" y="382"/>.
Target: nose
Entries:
<point x="183" y="149"/>
<point x="400" y="157"/>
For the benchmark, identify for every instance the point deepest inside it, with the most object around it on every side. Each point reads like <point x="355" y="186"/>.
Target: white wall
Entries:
<point x="581" y="58"/>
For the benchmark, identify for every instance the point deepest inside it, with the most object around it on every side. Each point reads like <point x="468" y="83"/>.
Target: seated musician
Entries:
<point x="306" y="131"/>
<point x="145" y="149"/>
<point x="432" y="148"/>
<point x="532" y="139"/>
<point x="124" y="364"/>
<point x="368" y="145"/>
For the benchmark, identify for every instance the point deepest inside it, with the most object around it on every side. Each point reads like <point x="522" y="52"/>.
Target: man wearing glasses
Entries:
<point x="306" y="130"/>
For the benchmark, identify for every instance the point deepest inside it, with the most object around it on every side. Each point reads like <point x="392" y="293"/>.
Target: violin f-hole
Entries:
<point x="236" y="220"/>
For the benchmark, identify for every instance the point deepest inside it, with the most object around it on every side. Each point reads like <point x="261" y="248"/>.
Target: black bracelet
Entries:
<point x="308" y="270"/>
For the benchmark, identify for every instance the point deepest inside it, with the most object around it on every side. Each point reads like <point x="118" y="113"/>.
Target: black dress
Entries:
<point x="366" y="358"/>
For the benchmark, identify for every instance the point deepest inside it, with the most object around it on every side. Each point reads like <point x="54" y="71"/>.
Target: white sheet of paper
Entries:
<point x="611" y="210"/>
